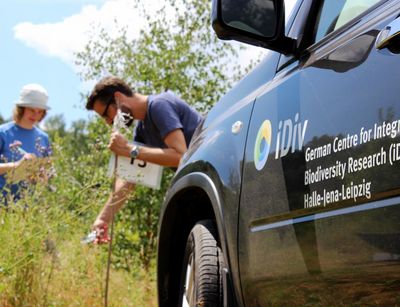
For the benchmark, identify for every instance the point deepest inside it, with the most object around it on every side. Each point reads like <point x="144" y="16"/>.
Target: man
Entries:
<point x="21" y="139"/>
<point x="165" y="123"/>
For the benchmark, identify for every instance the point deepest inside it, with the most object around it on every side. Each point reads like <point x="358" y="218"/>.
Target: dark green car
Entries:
<point x="290" y="191"/>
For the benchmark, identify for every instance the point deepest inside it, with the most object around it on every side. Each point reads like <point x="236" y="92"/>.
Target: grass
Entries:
<point x="42" y="260"/>
<point x="43" y="263"/>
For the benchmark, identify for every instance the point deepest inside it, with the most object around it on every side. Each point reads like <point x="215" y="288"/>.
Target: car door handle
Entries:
<point x="236" y="127"/>
<point x="389" y="35"/>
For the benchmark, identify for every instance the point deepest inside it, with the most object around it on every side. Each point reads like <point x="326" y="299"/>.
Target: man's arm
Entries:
<point x="113" y="204"/>
<point x="175" y="140"/>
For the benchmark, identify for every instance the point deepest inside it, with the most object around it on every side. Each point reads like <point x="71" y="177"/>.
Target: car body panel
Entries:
<point x="341" y="90"/>
<point x="284" y="241"/>
<point x="217" y="152"/>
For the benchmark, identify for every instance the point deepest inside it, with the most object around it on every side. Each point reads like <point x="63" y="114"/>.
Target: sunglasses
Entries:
<point x="104" y="114"/>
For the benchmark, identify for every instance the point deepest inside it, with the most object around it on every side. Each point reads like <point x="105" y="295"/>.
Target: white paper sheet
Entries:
<point x="140" y="172"/>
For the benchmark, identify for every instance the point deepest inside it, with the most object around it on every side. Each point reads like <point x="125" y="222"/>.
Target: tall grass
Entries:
<point x="42" y="259"/>
<point x="43" y="263"/>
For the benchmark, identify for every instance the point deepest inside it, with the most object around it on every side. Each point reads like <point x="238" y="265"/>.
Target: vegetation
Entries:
<point x="42" y="262"/>
<point x="181" y="54"/>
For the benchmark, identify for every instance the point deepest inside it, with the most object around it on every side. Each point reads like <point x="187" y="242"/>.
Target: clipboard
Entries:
<point x="138" y="172"/>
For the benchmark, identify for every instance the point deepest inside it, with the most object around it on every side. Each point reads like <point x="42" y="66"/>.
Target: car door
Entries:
<point x="319" y="213"/>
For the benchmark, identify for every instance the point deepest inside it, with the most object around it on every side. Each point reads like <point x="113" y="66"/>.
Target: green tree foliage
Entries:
<point x="181" y="54"/>
<point x="55" y="125"/>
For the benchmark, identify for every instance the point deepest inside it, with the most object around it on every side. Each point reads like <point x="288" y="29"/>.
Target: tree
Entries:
<point x="181" y="54"/>
<point x="55" y="125"/>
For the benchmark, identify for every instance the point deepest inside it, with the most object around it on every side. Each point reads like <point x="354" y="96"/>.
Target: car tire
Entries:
<point x="201" y="282"/>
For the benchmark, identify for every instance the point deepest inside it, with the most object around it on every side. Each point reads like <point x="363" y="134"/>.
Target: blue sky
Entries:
<point x="39" y="38"/>
<point x="22" y="64"/>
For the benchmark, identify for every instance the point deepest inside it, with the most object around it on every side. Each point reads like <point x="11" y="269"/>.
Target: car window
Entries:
<point x="336" y="13"/>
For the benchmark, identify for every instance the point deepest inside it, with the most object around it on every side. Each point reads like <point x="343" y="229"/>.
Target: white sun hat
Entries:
<point x="34" y="96"/>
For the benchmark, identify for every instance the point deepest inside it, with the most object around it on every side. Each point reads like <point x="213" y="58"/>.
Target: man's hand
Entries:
<point x="101" y="229"/>
<point x="112" y="206"/>
<point x="119" y="145"/>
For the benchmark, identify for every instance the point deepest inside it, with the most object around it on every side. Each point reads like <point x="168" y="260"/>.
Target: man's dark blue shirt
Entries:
<point x="166" y="113"/>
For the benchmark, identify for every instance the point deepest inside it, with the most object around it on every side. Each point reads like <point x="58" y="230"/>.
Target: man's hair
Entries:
<point x="18" y="113"/>
<point x="105" y="89"/>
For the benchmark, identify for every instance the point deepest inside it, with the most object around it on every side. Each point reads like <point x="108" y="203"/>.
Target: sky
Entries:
<point x="39" y="39"/>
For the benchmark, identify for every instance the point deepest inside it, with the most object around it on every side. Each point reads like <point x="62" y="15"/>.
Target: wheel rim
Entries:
<point x="188" y="293"/>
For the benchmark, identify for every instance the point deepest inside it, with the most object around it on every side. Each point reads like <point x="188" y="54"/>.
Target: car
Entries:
<point x="289" y="193"/>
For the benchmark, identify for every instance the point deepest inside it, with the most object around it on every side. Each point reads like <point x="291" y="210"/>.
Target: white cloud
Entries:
<point x="63" y="39"/>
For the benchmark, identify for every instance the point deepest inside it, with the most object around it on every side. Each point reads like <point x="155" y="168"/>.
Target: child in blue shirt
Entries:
<point x="21" y="139"/>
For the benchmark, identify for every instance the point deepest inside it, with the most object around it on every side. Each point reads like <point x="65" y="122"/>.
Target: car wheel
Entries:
<point x="201" y="283"/>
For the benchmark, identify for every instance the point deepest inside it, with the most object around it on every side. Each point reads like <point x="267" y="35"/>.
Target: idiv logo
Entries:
<point x="262" y="145"/>
<point x="289" y="138"/>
